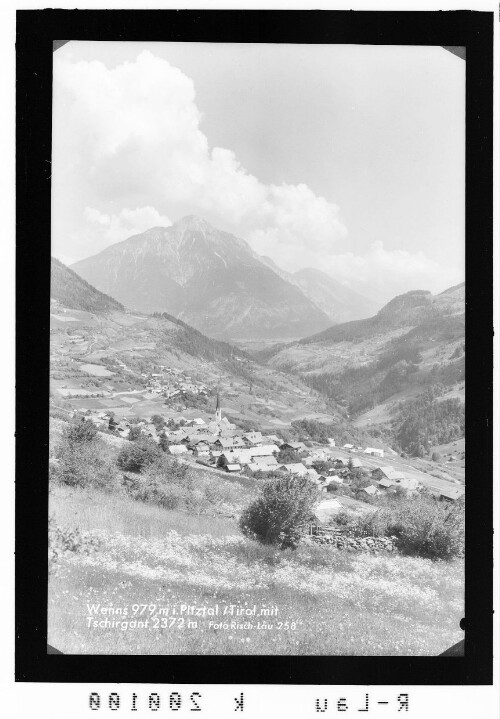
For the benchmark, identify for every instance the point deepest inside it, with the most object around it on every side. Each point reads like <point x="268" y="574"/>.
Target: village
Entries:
<point x="352" y="476"/>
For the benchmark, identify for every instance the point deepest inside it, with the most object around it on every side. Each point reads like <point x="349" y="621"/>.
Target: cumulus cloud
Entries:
<point x="132" y="134"/>
<point x="384" y="273"/>
<point x="130" y="137"/>
<point x="114" y="228"/>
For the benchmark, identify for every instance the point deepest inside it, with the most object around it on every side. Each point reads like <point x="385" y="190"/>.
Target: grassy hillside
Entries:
<point x="370" y="367"/>
<point x="72" y="291"/>
<point x="111" y="549"/>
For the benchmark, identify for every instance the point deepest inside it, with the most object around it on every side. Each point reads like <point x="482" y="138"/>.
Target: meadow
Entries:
<point x="329" y="602"/>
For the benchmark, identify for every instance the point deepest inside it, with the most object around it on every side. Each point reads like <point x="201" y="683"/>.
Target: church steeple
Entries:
<point x="218" y="411"/>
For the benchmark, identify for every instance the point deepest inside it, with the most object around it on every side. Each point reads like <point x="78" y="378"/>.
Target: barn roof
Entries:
<point x="390" y="472"/>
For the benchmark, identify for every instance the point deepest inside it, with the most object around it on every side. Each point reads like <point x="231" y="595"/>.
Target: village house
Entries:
<point x="266" y="461"/>
<point x="409" y="484"/>
<point x="295" y="468"/>
<point x="371" y="490"/>
<point x="265" y="450"/>
<point x="391" y="473"/>
<point x="356" y="463"/>
<point x="271" y="439"/>
<point x="253" y="439"/>
<point x="223" y="443"/>
<point x="253" y="467"/>
<point x="228" y="457"/>
<point x="348" y="446"/>
<point x="297" y="446"/>
<point x="201" y="450"/>
<point x="232" y="468"/>
<point x="374" y="452"/>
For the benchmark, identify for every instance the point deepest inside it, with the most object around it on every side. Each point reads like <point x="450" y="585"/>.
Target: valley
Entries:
<point x="127" y="381"/>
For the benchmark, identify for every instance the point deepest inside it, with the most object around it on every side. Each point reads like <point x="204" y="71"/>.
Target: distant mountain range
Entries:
<point x="415" y="340"/>
<point x="215" y="282"/>
<point x="70" y="290"/>
<point x="338" y="302"/>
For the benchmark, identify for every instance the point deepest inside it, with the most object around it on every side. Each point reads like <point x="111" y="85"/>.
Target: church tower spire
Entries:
<point x="218" y="411"/>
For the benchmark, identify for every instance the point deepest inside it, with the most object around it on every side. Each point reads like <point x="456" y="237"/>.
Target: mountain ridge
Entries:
<point x="209" y="278"/>
<point x="71" y="290"/>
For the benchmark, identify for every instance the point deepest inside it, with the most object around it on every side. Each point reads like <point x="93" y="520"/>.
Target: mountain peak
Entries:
<point x="208" y="278"/>
<point x="192" y="222"/>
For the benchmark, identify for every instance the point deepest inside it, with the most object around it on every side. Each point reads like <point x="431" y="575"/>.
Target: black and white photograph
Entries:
<point x="257" y="349"/>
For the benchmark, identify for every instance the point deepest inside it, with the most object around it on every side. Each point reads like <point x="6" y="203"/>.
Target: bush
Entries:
<point x="436" y="457"/>
<point x="153" y="490"/>
<point x="288" y="456"/>
<point x="137" y="455"/>
<point x="280" y="514"/>
<point x="79" y="432"/>
<point x="82" y="462"/>
<point x="65" y="539"/>
<point x="423" y="526"/>
<point x="135" y="433"/>
<point x="429" y="528"/>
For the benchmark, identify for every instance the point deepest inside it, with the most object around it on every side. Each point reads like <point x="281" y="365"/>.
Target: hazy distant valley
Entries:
<point x="354" y="374"/>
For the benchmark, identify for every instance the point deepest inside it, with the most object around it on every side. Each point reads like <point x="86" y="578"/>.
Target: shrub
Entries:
<point x="137" y="455"/>
<point x="288" y="456"/>
<point x="80" y="462"/>
<point x="429" y="528"/>
<point x="153" y="490"/>
<point x="423" y="526"/>
<point x="66" y="539"/>
<point x="79" y="432"/>
<point x="436" y="457"/>
<point x="279" y="515"/>
<point x="135" y="433"/>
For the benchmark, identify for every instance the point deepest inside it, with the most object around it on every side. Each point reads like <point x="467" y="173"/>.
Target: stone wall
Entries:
<point x="356" y="544"/>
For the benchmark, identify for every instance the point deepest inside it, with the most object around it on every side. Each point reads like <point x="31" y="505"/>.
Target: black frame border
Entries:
<point x="36" y="32"/>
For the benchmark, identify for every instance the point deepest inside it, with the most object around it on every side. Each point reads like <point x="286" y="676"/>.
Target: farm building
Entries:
<point x="408" y="483"/>
<point x="296" y="468"/>
<point x="228" y="457"/>
<point x="297" y="446"/>
<point x="269" y="449"/>
<point x="374" y="452"/>
<point x="348" y="446"/>
<point x="201" y="450"/>
<point x="356" y="463"/>
<point x="271" y="439"/>
<point x="387" y="473"/>
<point x="266" y="461"/>
<point x="253" y="439"/>
<point x="223" y="443"/>
<point x="233" y="468"/>
<point x="371" y="490"/>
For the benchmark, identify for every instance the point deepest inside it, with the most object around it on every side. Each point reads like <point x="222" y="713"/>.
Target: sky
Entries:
<point x="346" y="158"/>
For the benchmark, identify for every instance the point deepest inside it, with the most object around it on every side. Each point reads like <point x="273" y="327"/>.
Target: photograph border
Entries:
<point x="37" y="31"/>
